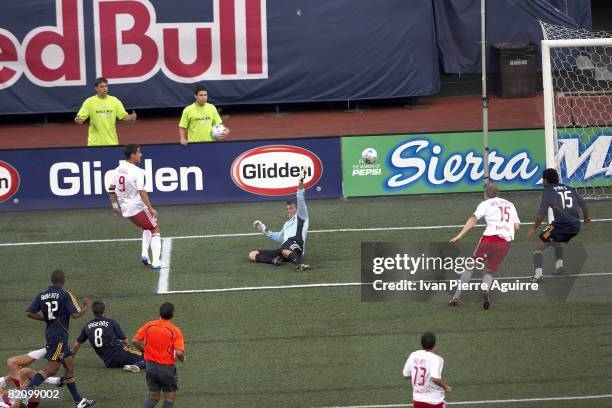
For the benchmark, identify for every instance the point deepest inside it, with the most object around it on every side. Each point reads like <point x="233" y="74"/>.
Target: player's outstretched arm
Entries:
<point x="300" y="199"/>
<point x="469" y="224"/>
<point x="86" y="305"/>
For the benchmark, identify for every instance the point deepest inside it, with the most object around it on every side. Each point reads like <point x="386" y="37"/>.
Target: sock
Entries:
<point x="155" y="248"/>
<point x="146" y="241"/>
<point x="150" y="402"/>
<point x="538" y="260"/>
<point x="36" y="381"/>
<point x="558" y="256"/>
<point x="168" y="404"/>
<point x="52" y="381"/>
<point x="465" y="278"/>
<point x="140" y="364"/>
<point x="487" y="279"/>
<point x="76" y="396"/>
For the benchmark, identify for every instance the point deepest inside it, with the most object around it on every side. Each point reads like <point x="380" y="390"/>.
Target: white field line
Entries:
<point x="331" y="285"/>
<point x="164" y="272"/>
<point x="582" y="397"/>
<point x="249" y="234"/>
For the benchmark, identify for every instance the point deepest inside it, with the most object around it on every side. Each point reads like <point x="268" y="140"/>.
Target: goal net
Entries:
<point x="577" y="75"/>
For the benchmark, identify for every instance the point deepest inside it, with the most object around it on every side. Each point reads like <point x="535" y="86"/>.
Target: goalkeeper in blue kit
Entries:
<point x="291" y="237"/>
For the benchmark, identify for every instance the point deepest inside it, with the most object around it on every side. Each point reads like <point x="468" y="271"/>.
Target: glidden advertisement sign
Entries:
<point x="200" y="173"/>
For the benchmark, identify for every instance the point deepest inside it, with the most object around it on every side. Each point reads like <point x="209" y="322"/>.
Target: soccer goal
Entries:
<point x="577" y="79"/>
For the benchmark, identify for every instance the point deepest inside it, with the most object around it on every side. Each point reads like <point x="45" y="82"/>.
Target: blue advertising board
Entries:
<point x="199" y="173"/>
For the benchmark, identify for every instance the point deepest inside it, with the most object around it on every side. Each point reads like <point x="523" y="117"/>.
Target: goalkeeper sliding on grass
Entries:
<point x="292" y="237"/>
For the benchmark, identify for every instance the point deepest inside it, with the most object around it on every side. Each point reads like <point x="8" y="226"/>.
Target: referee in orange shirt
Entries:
<point x="161" y="341"/>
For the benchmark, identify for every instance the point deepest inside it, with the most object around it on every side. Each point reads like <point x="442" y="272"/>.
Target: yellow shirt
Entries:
<point x="199" y="120"/>
<point x="102" y="114"/>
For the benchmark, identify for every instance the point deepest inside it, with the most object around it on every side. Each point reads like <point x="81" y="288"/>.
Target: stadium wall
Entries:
<point x="264" y="170"/>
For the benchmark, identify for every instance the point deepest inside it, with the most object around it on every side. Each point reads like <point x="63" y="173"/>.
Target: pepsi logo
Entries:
<point x="274" y="170"/>
<point x="9" y="181"/>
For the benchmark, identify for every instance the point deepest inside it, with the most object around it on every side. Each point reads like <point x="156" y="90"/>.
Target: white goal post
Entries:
<point x="577" y="82"/>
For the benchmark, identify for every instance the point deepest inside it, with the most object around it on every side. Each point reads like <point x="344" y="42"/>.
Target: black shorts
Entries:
<point x="293" y="245"/>
<point x="161" y="377"/>
<point x="556" y="234"/>
<point x="126" y="356"/>
<point x="58" y="350"/>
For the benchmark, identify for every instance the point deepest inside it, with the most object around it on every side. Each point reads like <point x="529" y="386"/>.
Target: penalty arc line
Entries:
<point x="339" y="284"/>
<point x="251" y="234"/>
<point x="584" y="397"/>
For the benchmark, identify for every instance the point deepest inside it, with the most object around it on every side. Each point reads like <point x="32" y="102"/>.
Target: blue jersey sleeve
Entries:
<point x="275" y="236"/>
<point x="83" y="336"/>
<point x="301" y="204"/>
<point x="71" y="303"/>
<point x="35" y="306"/>
<point x="118" y="332"/>
<point x="547" y="201"/>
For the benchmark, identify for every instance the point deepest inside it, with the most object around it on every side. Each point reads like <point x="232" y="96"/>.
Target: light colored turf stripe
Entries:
<point x="164" y="273"/>
<point x="480" y="402"/>
<point x="250" y="234"/>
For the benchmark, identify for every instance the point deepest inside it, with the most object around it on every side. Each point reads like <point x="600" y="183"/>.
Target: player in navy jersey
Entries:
<point x="57" y="305"/>
<point x="109" y="342"/>
<point x="564" y="202"/>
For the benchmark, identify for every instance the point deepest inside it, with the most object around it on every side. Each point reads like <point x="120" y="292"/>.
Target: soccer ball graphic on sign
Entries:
<point x="217" y="132"/>
<point x="369" y="155"/>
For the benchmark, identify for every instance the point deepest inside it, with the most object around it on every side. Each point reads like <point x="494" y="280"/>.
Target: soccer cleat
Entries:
<point x="454" y="302"/>
<point x="131" y="368"/>
<point x="85" y="403"/>
<point x="486" y="302"/>
<point x="145" y="260"/>
<point x="61" y="382"/>
<point x="302" y="267"/>
<point x="558" y="271"/>
<point x="278" y="260"/>
<point x="537" y="278"/>
<point x="158" y="265"/>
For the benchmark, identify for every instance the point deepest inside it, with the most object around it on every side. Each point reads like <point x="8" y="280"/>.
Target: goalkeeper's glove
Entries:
<point x="259" y="226"/>
<point x="302" y="174"/>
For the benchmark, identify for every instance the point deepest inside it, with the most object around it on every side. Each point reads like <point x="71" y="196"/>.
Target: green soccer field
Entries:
<point x="311" y="345"/>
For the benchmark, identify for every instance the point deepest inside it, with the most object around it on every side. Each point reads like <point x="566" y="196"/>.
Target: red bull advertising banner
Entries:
<point x="152" y="52"/>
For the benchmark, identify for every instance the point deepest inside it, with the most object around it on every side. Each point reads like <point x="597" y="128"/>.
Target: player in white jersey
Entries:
<point x="502" y="222"/>
<point x="20" y="374"/>
<point x="129" y="198"/>
<point x="424" y="369"/>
